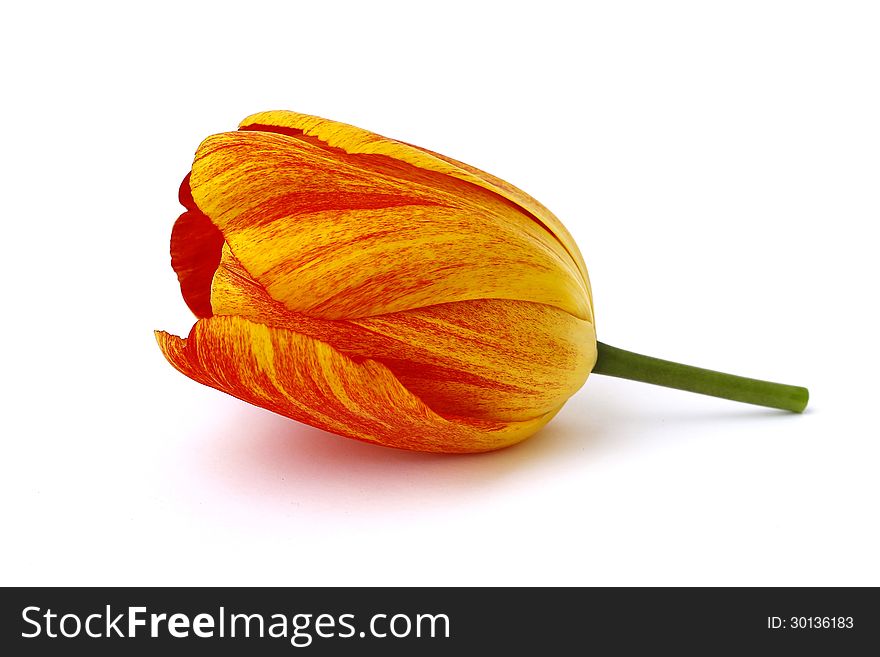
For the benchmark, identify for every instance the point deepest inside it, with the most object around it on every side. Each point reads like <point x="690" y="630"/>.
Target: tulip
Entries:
<point x="386" y="293"/>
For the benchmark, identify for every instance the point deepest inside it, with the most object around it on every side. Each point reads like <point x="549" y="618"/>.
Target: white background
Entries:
<point x="718" y="163"/>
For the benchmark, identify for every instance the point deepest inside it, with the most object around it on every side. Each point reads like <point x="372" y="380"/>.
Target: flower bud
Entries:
<point x="375" y="289"/>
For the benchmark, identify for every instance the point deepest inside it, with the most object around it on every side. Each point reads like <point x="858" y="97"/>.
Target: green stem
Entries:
<point x="628" y="365"/>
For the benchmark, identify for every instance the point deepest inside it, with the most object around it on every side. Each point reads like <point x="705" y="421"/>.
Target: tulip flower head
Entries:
<point x="378" y="290"/>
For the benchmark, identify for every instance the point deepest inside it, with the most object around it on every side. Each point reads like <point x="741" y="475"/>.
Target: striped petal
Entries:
<point x="491" y="359"/>
<point x="355" y="140"/>
<point x="338" y="235"/>
<point x="529" y="204"/>
<point x="310" y="381"/>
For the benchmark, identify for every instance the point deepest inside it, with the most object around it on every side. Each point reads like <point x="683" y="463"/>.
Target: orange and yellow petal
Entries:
<point x="498" y="359"/>
<point x="354" y="140"/>
<point x="486" y="358"/>
<point x="529" y="204"/>
<point x="338" y="235"/>
<point x="311" y="382"/>
<point x="196" y="245"/>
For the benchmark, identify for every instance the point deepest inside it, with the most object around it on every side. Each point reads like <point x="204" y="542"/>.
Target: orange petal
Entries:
<point x="310" y="381"/>
<point x="337" y="236"/>
<point x="195" y="253"/>
<point x="529" y="204"/>
<point x="486" y="358"/>
<point x="354" y="140"/>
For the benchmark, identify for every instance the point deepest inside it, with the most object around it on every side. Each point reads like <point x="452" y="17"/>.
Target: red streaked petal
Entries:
<point x="354" y="140"/>
<point x="311" y="382"/>
<point x="491" y="359"/>
<point x="341" y="236"/>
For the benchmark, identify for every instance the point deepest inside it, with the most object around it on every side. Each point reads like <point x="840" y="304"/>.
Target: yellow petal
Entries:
<point x="485" y="358"/>
<point x="310" y="381"/>
<point x="356" y="140"/>
<point x="529" y="204"/>
<point x="337" y="235"/>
